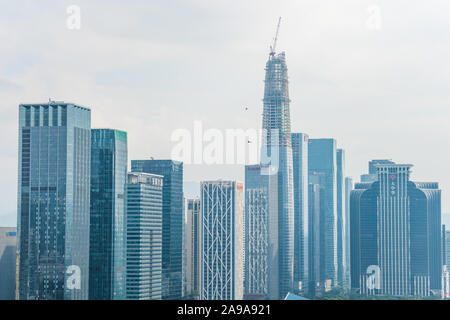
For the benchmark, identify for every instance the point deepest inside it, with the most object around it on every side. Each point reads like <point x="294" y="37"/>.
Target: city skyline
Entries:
<point x="96" y="221"/>
<point x="322" y="83"/>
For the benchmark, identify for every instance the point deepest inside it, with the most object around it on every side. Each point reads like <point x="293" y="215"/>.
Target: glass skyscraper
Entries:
<point x="315" y="258"/>
<point x="193" y="248"/>
<point x="372" y="176"/>
<point x="53" y="201"/>
<point x="322" y="168"/>
<point x="396" y="235"/>
<point x="301" y="233"/>
<point x="348" y="190"/>
<point x="172" y="222"/>
<point x="8" y="241"/>
<point x="222" y="247"/>
<point x="144" y="203"/>
<point x="277" y="152"/>
<point x="107" y="260"/>
<point x="261" y="235"/>
<point x="341" y="219"/>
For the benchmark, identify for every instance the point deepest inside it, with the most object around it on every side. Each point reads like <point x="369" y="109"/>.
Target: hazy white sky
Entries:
<point x="152" y="66"/>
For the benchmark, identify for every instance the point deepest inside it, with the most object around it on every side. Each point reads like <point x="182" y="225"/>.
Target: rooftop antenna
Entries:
<point x="274" y="44"/>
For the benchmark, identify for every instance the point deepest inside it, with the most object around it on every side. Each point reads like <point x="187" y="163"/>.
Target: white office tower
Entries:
<point x="222" y="253"/>
<point x="262" y="280"/>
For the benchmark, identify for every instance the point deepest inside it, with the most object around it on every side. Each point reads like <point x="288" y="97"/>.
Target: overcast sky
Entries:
<point x="381" y="89"/>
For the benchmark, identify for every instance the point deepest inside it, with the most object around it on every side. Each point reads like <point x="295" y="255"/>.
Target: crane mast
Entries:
<point x="274" y="44"/>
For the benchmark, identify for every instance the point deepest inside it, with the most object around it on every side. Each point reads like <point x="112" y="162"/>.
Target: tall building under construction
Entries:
<point x="276" y="152"/>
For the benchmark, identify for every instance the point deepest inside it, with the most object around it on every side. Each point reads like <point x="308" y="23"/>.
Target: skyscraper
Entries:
<point x="144" y="202"/>
<point x="53" y="201"/>
<point x="341" y="218"/>
<point x="261" y="235"/>
<point x="107" y="251"/>
<point x="277" y="152"/>
<point x="7" y="263"/>
<point x="323" y="172"/>
<point x="447" y="249"/>
<point x="222" y="246"/>
<point x="193" y="247"/>
<point x="172" y="250"/>
<point x="301" y="232"/>
<point x="372" y="176"/>
<point x="348" y="190"/>
<point x="396" y="235"/>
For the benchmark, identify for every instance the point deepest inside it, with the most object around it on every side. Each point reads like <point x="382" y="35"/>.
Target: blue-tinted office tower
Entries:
<point x="172" y="222"/>
<point x="322" y="168"/>
<point x="348" y="190"/>
<point x="372" y="175"/>
<point x="144" y="202"/>
<point x="396" y="235"/>
<point x="301" y="232"/>
<point x="261" y="279"/>
<point x="107" y="260"/>
<point x="277" y="151"/>
<point x="8" y="240"/>
<point x="53" y="201"/>
<point x="192" y="253"/>
<point x="341" y="218"/>
<point x="315" y="259"/>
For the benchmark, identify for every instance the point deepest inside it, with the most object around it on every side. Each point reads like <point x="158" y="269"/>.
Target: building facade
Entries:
<point x="276" y="153"/>
<point x="315" y="259"/>
<point x="222" y="247"/>
<point x="8" y="238"/>
<point x="261" y="235"/>
<point x="372" y="176"/>
<point x="107" y="251"/>
<point x="172" y="250"/>
<point x="53" y="201"/>
<point x="144" y="205"/>
<point x="396" y="235"/>
<point x="447" y="249"/>
<point x="341" y="219"/>
<point x="193" y="224"/>
<point x="300" y="143"/>
<point x="322" y="166"/>
<point x="348" y="190"/>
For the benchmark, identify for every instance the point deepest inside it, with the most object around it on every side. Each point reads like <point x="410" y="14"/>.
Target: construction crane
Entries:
<point x="273" y="46"/>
